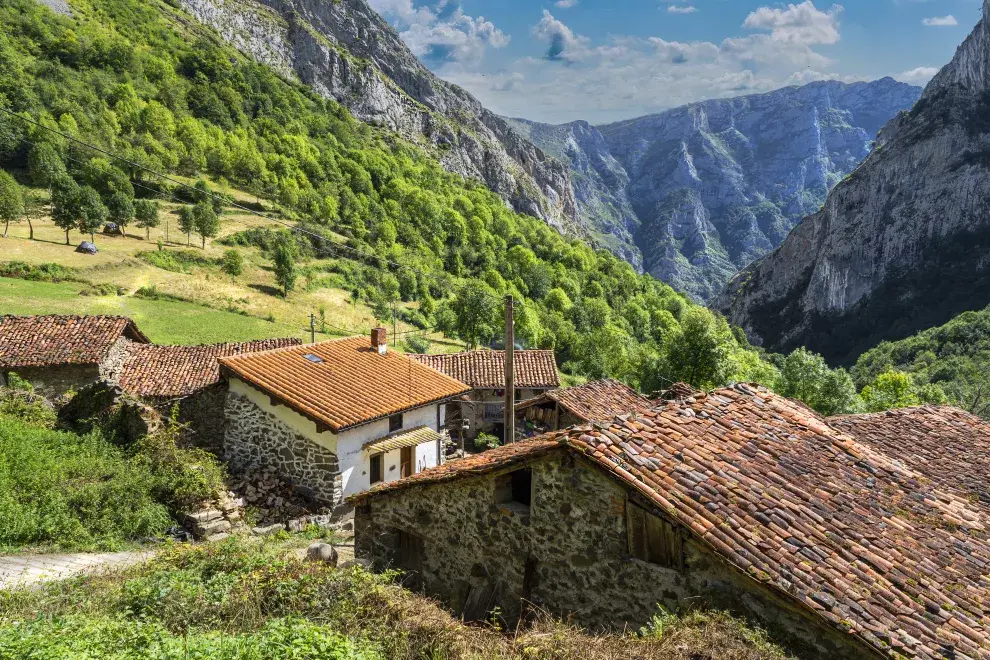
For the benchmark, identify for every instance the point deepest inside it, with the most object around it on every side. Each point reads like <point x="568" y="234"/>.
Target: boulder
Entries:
<point x="269" y="530"/>
<point x="87" y="248"/>
<point x="322" y="552"/>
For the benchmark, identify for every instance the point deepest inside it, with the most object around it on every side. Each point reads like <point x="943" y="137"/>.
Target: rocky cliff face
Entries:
<point x="702" y="190"/>
<point x="902" y="244"/>
<point x="347" y="52"/>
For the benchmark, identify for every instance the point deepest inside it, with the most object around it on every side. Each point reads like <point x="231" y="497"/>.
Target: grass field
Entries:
<point x="164" y="321"/>
<point x="215" y="297"/>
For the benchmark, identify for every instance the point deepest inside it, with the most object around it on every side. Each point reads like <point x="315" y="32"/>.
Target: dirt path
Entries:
<point x="27" y="570"/>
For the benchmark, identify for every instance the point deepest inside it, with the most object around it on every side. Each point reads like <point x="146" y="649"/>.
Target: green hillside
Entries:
<point x="142" y="80"/>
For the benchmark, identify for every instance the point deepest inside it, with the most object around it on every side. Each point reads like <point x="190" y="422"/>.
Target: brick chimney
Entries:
<point x="379" y="340"/>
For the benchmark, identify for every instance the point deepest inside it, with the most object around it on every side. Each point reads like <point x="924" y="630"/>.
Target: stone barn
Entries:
<point x="484" y="371"/>
<point x="62" y="354"/>
<point x="737" y="499"/>
<point x="187" y="377"/>
<point x="336" y="417"/>
<point x="595" y="400"/>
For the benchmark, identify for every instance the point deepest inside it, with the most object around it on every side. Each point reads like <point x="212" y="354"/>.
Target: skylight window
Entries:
<point x="313" y="358"/>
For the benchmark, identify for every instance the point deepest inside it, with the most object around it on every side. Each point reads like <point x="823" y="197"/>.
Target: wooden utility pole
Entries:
<point x="509" y="417"/>
<point x="312" y="328"/>
<point x="395" y="337"/>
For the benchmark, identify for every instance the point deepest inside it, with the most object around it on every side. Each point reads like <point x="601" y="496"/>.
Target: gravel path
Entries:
<point x="27" y="570"/>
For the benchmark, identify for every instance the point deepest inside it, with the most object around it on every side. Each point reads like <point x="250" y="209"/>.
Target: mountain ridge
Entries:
<point x="347" y="52"/>
<point x="897" y="247"/>
<point x="693" y="194"/>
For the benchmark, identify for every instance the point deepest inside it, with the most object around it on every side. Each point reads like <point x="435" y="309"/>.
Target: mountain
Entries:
<point x="901" y="245"/>
<point x="702" y="190"/>
<point x="347" y="52"/>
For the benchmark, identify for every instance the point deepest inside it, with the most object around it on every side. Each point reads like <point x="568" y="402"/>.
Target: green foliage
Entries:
<point x="11" y="200"/>
<point x="72" y="492"/>
<point x="65" y="201"/>
<point x="177" y="261"/>
<point x="207" y="221"/>
<point x="699" y="351"/>
<point x="954" y="357"/>
<point x="232" y="263"/>
<point x="805" y="375"/>
<point x="44" y="164"/>
<point x="187" y="221"/>
<point x="284" y="264"/>
<point x="486" y="441"/>
<point x="896" y="389"/>
<point x="417" y="344"/>
<point x="147" y="213"/>
<point x="90" y="212"/>
<point x="135" y="83"/>
<point x="19" y="400"/>
<point x="41" y="273"/>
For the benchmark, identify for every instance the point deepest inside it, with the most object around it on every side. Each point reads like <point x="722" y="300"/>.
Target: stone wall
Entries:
<point x="567" y="553"/>
<point x="202" y="415"/>
<point x="255" y="438"/>
<point x="55" y="382"/>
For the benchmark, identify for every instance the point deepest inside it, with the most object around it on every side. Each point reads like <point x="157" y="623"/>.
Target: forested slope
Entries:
<point x="143" y="80"/>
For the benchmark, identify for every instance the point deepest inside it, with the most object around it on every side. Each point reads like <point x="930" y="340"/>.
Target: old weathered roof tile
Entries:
<point x="871" y="543"/>
<point x="485" y="369"/>
<point x="44" y="341"/>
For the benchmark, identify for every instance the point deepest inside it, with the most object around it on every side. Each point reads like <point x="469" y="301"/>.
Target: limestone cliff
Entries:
<point x="698" y="192"/>
<point x="347" y="52"/>
<point x="900" y="245"/>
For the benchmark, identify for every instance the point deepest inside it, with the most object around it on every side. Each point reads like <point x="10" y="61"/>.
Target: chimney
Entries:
<point x="379" y="340"/>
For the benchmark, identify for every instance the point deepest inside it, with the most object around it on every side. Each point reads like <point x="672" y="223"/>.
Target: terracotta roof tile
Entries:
<point x="40" y="341"/>
<point x="485" y="370"/>
<point x="595" y="400"/>
<point x="949" y="446"/>
<point x="860" y="539"/>
<point x="349" y="384"/>
<point x="151" y="370"/>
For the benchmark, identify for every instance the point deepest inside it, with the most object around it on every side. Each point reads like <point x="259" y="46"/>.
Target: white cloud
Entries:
<point x="565" y="4"/>
<point x="564" y="45"/>
<point x="444" y="33"/>
<point x="681" y="9"/>
<point x="940" y="21"/>
<point x="918" y="76"/>
<point x="798" y="24"/>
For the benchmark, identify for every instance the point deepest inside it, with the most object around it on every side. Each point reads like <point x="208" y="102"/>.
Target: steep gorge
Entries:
<point x="902" y="245"/>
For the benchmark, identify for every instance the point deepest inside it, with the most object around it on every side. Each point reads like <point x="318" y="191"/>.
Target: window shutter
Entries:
<point x="636" y="530"/>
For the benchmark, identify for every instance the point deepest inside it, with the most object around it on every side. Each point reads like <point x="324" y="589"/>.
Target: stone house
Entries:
<point x="187" y="377"/>
<point x="595" y="400"/>
<point x="737" y="499"/>
<point x="484" y="370"/>
<point x="336" y="417"/>
<point x="62" y="354"/>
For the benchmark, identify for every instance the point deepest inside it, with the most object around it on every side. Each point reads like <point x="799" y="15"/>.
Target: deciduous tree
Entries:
<point x="11" y="201"/>
<point x="146" y="212"/>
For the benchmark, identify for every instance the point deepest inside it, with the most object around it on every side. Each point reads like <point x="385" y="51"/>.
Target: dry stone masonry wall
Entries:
<point x="568" y="553"/>
<point x="255" y="438"/>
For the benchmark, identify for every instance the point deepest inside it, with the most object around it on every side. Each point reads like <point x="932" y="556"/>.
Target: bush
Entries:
<point x="151" y="292"/>
<point x="417" y="344"/>
<point x="232" y="263"/>
<point x="486" y="441"/>
<point x="43" y="273"/>
<point x="176" y="261"/>
<point x="103" y="289"/>
<point x="72" y="492"/>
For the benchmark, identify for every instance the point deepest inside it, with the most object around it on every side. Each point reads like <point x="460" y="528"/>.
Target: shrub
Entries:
<point x="486" y="441"/>
<point x="232" y="263"/>
<point x="103" y="289"/>
<point x="151" y="292"/>
<point x="72" y="492"/>
<point x="176" y="261"/>
<point x="50" y="272"/>
<point x="417" y="344"/>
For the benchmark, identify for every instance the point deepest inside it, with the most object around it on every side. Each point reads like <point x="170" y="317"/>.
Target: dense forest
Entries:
<point x="142" y="81"/>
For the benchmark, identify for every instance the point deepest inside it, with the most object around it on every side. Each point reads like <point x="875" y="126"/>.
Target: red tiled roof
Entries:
<point x="485" y="370"/>
<point x="40" y="341"/>
<point x="595" y="400"/>
<point x="843" y="530"/>
<point x="351" y="384"/>
<point x="949" y="446"/>
<point x="151" y="370"/>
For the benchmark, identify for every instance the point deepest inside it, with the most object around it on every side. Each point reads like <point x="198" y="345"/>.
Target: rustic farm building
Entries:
<point x="338" y="416"/>
<point x="60" y="354"/>
<point x="738" y="499"/>
<point x="596" y="400"/>
<point x="484" y="371"/>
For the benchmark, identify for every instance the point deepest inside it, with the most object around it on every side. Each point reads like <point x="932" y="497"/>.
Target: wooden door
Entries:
<point x="406" y="462"/>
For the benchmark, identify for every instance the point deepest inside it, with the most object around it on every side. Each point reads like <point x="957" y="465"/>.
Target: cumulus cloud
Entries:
<point x="940" y="21"/>
<point x="798" y="24"/>
<point x="918" y="76"/>
<point x="681" y="9"/>
<point x="443" y="33"/>
<point x="564" y="45"/>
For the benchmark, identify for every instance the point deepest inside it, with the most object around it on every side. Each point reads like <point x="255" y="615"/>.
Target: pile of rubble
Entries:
<point x="215" y="523"/>
<point x="274" y="500"/>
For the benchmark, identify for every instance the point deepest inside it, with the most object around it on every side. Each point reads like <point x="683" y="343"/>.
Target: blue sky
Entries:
<point x="605" y="60"/>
